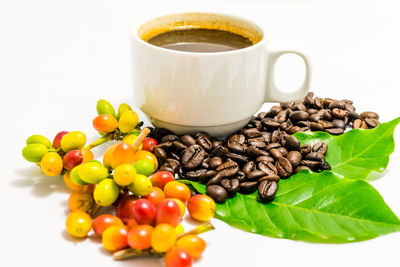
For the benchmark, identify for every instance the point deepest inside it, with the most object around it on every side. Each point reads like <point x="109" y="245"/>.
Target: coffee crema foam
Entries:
<point x="184" y="21"/>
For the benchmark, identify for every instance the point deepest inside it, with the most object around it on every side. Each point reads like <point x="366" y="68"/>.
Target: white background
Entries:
<point x="57" y="58"/>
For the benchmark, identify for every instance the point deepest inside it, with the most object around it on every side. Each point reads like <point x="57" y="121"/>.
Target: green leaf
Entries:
<point x="316" y="207"/>
<point x="200" y="188"/>
<point x="357" y="153"/>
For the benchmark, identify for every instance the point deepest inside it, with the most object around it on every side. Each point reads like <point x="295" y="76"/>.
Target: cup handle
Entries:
<point x="273" y="94"/>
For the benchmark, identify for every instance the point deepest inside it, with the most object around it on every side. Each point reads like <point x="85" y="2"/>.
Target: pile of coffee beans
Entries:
<point x="314" y="114"/>
<point x="245" y="162"/>
<point x="263" y="152"/>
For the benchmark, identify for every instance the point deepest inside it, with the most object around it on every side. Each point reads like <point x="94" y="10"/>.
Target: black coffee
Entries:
<point x="200" y="40"/>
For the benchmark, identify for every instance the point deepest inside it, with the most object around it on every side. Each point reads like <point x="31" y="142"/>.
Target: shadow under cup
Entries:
<point x="187" y="92"/>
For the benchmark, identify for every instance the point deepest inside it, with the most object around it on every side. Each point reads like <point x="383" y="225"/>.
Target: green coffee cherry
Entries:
<point x="105" y="107"/>
<point x="74" y="175"/>
<point x="38" y="139"/>
<point x="106" y="192"/>
<point x="34" y="152"/>
<point x="73" y="140"/>
<point x="144" y="166"/>
<point x="92" y="172"/>
<point x="122" y="109"/>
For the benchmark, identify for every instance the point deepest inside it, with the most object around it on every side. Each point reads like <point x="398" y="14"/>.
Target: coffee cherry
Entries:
<point x="141" y="185"/>
<point x="177" y="257"/>
<point x="92" y="172"/>
<point x="72" y="158"/>
<point x="102" y="222"/>
<point x="78" y="224"/>
<point x="168" y="211"/>
<point x="38" y="139"/>
<point x="163" y="237"/>
<point x="106" y="192"/>
<point x="201" y="207"/>
<point x="57" y="139"/>
<point x="156" y="196"/>
<point x="149" y="144"/>
<point x="34" y="152"/>
<point x="139" y="236"/>
<point x="193" y="244"/>
<point x="128" y="121"/>
<point x="144" y="166"/>
<point x="73" y="140"/>
<point x="115" y="238"/>
<point x="161" y="178"/>
<point x="144" y="211"/>
<point x="82" y="201"/>
<point x="124" y="174"/>
<point x="177" y="190"/>
<point x="105" y="123"/>
<point x="105" y="107"/>
<point x="51" y="164"/>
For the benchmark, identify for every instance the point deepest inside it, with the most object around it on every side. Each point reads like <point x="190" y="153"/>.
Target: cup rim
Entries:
<point x="137" y="38"/>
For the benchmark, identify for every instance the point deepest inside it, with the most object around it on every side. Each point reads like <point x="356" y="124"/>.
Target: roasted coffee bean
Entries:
<point x="315" y="156"/>
<point x="248" y="187"/>
<point x="287" y="105"/>
<point x="326" y="114"/>
<point x="241" y="159"/>
<point x="283" y="151"/>
<point x="339" y="124"/>
<point x="201" y="134"/>
<point x="252" y="132"/>
<point x="178" y="145"/>
<point x="188" y="140"/>
<point x="267" y="190"/>
<point x="275" y="110"/>
<point x="299" y="116"/>
<point x="294" y="157"/>
<point x="316" y="126"/>
<point x="284" y="167"/>
<point x="315" y="117"/>
<point x="312" y="111"/>
<point x="335" y="131"/>
<point x="327" y="102"/>
<point x="312" y="164"/>
<point x="276" y="153"/>
<point x="204" y="142"/>
<point x="228" y="169"/>
<point x="274" y="178"/>
<point x="339" y="113"/>
<point x="230" y="185"/>
<point x="265" y="159"/>
<point x="320" y="147"/>
<point x="181" y="173"/>
<point x="249" y="167"/>
<point x="305" y="149"/>
<point x="252" y="151"/>
<point x="170" y="138"/>
<point x="237" y="138"/>
<point x="303" y="124"/>
<point x="173" y="163"/>
<point x="272" y="146"/>
<point x="371" y="122"/>
<point x="268" y="168"/>
<point x="258" y="125"/>
<point x="291" y="142"/>
<point x="159" y="133"/>
<point x="205" y="163"/>
<point x="197" y="174"/>
<point x="255" y="175"/>
<point x="318" y="102"/>
<point x="271" y="124"/>
<point x="326" y="124"/>
<point x="359" y="124"/>
<point x="309" y="99"/>
<point x="215" y="162"/>
<point x="219" y="151"/>
<point x="324" y="165"/>
<point x="276" y="136"/>
<point x="256" y="139"/>
<point x="207" y="176"/>
<point x="174" y="156"/>
<point x="337" y="104"/>
<point x="282" y="116"/>
<point x="165" y="145"/>
<point x="350" y="108"/>
<point x="258" y="144"/>
<point x="167" y="167"/>
<point x="299" y="107"/>
<point x="216" y="179"/>
<point x="266" y="136"/>
<point x="300" y="168"/>
<point x="160" y="154"/>
<point x="193" y="156"/>
<point x="261" y="115"/>
<point x="217" y="143"/>
<point x="217" y="192"/>
<point x="237" y="148"/>
<point x="369" y="114"/>
<point x="285" y="126"/>
<point x="294" y="129"/>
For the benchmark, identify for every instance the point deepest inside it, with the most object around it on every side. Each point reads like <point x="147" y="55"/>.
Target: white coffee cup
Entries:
<point x="216" y="92"/>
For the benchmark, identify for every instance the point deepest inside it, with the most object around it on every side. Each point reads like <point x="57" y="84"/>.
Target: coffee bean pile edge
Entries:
<point x="263" y="152"/>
